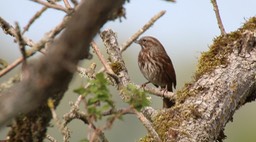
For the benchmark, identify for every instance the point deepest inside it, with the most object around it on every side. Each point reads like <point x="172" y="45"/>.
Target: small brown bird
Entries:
<point x="156" y="65"/>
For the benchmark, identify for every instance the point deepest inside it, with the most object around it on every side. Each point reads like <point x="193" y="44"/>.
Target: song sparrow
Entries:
<point x="156" y="65"/>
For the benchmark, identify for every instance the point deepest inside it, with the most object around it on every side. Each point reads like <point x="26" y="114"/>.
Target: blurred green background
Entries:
<point x="186" y="30"/>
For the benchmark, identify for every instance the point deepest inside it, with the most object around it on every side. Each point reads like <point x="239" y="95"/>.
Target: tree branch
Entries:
<point x="50" y="5"/>
<point x="125" y="45"/>
<point x="8" y="29"/>
<point x="217" y="13"/>
<point x="50" y="74"/>
<point x="33" y="19"/>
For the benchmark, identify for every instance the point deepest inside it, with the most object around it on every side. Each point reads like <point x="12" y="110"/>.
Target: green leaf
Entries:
<point x="97" y="95"/>
<point x="92" y="101"/>
<point x="138" y="99"/>
<point x="80" y="90"/>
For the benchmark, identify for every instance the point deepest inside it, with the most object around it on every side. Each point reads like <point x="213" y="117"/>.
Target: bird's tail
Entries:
<point x="167" y="103"/>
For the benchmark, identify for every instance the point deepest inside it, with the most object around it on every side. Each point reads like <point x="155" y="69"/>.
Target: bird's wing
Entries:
<point x="168" y="66"/>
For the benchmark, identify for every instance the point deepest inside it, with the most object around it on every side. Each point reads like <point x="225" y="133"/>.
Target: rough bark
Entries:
<point x="225" y="80"/>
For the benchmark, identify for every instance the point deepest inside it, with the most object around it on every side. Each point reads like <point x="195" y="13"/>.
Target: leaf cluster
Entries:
<point x="97" y="96"/>
<point x="138" y="98"/>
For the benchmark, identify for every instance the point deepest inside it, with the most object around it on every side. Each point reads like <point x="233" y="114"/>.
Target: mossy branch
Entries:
<point x="224" y="81"/>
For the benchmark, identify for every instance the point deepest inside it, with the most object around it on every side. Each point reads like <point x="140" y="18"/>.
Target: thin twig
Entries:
<point x="63" y="129"/>
<point x="50" y="5"/>
<point x="125" y="45"/>
<point x="21" y="42"/>
<point x="103" y="61"/>
<point x="148" y="125"/>
<point x="217" y="13"/>
<point x="8" y="29"/>
<point x="67" y="5"/>
<point x="74" y="113"/>
<point x="33" y="19"/>
<point x="120" y="111"/>
<point x="11" y="66"/>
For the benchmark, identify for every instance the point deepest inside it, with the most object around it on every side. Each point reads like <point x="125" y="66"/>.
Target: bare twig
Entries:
<point x="74" y="113"/>
<point x="120" y="111"/>
<point x="67" y="5"/>
<point x="33" y="19"/>
<point x="63" y="129"/>
<point x="106" y="66"/>
<point x="50" y="5"/>
<point x="56" y="30"/>
<point x="148" y="125"/>
<point x="11" y="66"/>
<point x="103" y="61"/>
<point x="8" y="29"/>
<point x="217" y="13"/>
<point x="125" y="45"/>
<point x="21" y="42"/>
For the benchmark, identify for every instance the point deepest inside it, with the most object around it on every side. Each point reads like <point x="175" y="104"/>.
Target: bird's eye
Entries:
<point x="144" y="40"/>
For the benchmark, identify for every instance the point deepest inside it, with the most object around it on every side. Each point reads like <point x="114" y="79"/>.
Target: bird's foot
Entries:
<point x="144" y="85"/>
<point x="164" y="90"/>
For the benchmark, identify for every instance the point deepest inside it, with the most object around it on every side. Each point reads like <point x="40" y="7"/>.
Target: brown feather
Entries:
<point x="156" y="65"/>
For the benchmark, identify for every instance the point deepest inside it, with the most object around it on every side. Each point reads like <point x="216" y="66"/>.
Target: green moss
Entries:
<point x="219" y="50"/>
<point x="163" y="123"/>
<point x="116" y="67"/>
<point x="217" y="54"/>
<point x="166" y="122"/>
<point x="183" y="93"/>
<point x="250" y="24"/>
